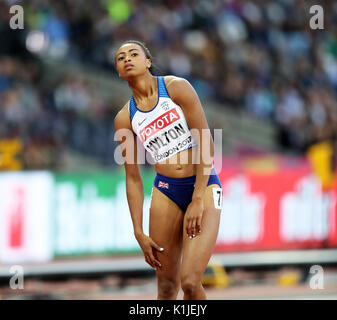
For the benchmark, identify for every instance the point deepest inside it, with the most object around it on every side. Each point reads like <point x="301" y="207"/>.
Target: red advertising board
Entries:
<point x="282" y="209"/>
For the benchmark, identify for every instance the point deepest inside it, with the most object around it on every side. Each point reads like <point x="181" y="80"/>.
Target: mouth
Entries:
<point x="128" y="66"/>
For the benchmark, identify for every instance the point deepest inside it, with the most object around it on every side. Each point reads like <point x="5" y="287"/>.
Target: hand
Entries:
<point x="193" y="217"/>
<point x="149" y="248"/>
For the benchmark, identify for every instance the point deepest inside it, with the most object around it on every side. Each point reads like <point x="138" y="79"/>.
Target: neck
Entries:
<point x="143" y="86"/>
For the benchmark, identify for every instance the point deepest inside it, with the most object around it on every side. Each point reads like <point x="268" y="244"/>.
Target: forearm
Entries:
<point x="200" y="183"/>
<point x="135" y="196"/>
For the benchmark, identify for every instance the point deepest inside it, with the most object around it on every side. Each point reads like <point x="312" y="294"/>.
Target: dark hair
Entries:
<point x="145" y="49"/>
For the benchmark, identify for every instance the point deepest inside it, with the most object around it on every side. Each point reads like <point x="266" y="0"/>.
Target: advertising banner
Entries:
<point x="91" y="214"/>
<point x="285" y="209"/>
<point x="45" y="216"/>
<point x="25" y="217"/>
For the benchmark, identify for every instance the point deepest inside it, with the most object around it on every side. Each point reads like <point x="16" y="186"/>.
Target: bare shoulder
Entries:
<point x="180" y="90"/>
<point x="174" y="83"/>
<point x="122" y="118"/>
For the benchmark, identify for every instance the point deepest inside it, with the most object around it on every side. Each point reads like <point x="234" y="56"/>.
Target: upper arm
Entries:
<point x="127" y="141"/>
<point x="183" y="94"/>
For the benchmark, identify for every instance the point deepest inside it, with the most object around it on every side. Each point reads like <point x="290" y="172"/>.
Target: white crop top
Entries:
<point x="163" y="130"/>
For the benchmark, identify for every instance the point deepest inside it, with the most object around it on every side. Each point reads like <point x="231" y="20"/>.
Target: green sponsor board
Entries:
<point x="91" y="213"/>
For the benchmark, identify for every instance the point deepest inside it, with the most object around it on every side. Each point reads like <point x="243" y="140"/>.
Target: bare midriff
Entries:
<point x="180" y="165"/>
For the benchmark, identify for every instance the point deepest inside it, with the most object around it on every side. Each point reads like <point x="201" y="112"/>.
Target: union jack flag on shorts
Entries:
<point x="163" y="185"/>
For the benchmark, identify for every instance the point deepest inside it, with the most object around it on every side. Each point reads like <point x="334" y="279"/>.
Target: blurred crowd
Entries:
<point x="258" y="56"/>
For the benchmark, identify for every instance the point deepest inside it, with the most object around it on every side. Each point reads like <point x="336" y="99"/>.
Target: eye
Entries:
<point x="134" y="54"/>
<point x="120" y="58"/>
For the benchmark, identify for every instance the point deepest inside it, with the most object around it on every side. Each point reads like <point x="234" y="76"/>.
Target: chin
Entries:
<point x="131" y="72"/>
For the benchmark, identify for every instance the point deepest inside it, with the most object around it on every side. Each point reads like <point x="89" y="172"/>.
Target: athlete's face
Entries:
<point x="131" y="61"/>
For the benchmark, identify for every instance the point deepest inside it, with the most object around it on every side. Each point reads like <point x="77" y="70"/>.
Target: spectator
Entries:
<point x="256" y="56"/>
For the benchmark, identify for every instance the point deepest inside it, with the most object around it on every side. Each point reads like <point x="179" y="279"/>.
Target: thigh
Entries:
<point x="197" y="251"/>
<point x="166" y="223"/>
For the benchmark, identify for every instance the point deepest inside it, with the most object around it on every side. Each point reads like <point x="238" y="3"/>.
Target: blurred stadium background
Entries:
<point x="264" y="77"/>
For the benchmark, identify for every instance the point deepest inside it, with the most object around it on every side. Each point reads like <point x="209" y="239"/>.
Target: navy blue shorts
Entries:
<point x="180" y="190"/>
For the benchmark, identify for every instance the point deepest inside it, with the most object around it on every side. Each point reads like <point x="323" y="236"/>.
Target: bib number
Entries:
<point x="217" y="197"/>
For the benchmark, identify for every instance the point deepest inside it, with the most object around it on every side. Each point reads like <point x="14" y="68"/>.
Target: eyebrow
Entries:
<point x="125" y="52"/>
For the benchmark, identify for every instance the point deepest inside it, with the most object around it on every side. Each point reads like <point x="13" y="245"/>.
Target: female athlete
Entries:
<point x="166" y="115"/>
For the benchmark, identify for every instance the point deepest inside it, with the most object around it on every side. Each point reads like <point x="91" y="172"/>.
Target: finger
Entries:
<point x="198" y="225"/>
<point x="191" y="232"/>
<point x="188" y="228"/>
<point x="187" y="231"/>
<point x="154" y="261"/>
<point x="155" y="246"/>
<point x="193" y="227"/>
<point x="149" y="262"/>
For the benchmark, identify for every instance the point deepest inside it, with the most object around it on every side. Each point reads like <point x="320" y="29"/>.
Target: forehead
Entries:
<point x="128" y="47"/>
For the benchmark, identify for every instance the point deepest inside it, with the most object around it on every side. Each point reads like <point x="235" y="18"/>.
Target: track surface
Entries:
<point x="111" y="288"/>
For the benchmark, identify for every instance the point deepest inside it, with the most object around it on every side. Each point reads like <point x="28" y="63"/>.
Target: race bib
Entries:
<point x="217" y="197"/>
